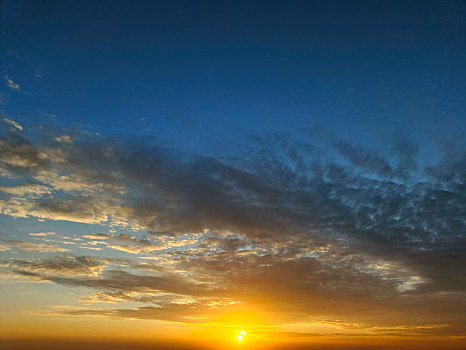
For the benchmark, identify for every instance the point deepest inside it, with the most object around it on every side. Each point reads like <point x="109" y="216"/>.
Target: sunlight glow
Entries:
<point x="240" y="335"/>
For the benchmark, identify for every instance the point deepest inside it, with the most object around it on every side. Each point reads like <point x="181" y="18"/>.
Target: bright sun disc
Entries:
<point x="240" y="335"/>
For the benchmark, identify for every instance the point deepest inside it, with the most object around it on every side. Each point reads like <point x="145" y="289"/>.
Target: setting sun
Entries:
<point x="241" y="335"/>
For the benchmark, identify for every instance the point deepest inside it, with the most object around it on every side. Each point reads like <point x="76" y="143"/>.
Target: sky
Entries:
<point x="174" y="174"/>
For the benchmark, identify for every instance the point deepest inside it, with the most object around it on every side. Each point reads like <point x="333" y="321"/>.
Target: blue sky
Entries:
<point x="200" y="73"/>
<point x="179" y="162"/>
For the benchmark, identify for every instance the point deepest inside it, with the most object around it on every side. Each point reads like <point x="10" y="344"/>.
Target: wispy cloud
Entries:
<point x="98" y="236"/>
<point x="13" y="123"/>
<point x="11" y="84"/>
<point x="32" y="246"/>
<point x="42" y="234"/>
<point x="61" y="265"/>
<point x="27" y="189"/>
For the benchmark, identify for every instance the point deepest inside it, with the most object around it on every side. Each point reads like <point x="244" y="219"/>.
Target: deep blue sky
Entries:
<point x="203" y="73"/>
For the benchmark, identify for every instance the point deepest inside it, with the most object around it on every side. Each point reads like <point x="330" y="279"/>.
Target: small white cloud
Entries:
<point x="14" y="123"/>
<point x="11" y="84"/>
<point x="42" y="234"/>
<point x="64" y="138"/>
<point x="98" y="236"/>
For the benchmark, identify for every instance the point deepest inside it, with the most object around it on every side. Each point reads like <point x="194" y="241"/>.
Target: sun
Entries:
<point x="241" y="335"/>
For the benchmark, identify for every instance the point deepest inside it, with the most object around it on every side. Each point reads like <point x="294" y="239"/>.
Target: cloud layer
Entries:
<point x="303" y="229"/>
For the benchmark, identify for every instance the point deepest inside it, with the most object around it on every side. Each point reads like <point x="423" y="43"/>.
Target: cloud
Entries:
<point x="61" y="265"/>
<point x="178" y="313"/>
<point x="20" y="156"/>
<point x="122" y="280"/>
<point x="28" y="189"/>
<point x="4" y="248"/>
<point x="11" y="84"/>
<point x="146" y="298"/>
<point x="42" y="234"/>
<point x="406" y="151"/>
<point x="137" y="246"/>
<point x="32" y="247"/>
<point x="64" y="138"/>
<point x="368" y="160"/>
<point x="13" y="123"/>
<point x="98" y="236"/>
<point x="328" y="231"/>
